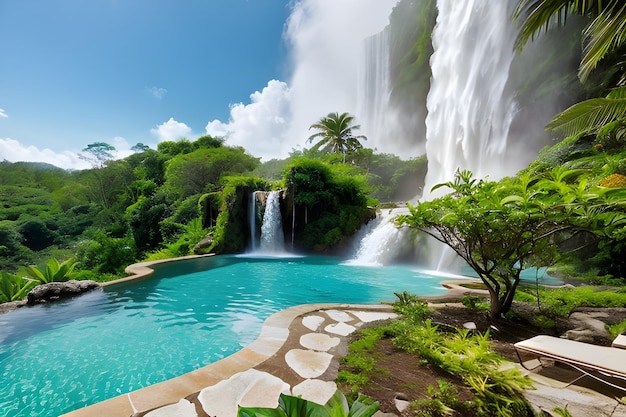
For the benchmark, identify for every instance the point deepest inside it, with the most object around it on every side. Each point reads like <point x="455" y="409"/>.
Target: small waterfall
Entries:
<point x="272" y="237"/>
<point x="381" y="242"/>
<point x="268" y="238"/>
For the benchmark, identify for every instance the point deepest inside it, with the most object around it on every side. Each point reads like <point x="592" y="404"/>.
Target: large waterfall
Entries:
<point x="469" y="107"/>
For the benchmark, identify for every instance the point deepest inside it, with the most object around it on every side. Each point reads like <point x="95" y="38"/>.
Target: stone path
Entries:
<point x="297" y="354"/>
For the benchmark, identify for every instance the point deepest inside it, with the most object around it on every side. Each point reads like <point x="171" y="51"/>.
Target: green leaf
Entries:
<point x="360" y="407"/>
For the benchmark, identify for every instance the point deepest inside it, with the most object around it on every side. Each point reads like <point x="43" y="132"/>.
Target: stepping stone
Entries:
<point x="250" y="388"/>
<point x="312" y="322"/>
<point x="318" y="341"/>
<point x="370" y="316"/>
<point x="315" y="390"/>
<point x="307" y="363"/>
<point x="183" y="408"/>
<point x="342" y="329"/>
<point x="340" y="316"/>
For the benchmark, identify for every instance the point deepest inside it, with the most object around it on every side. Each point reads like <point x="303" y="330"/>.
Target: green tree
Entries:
<point x="335" y="134"/>
<point x="97" y="154"/>
<point x="605" y="33"/>
<point x="199" y="171"/>
<point x="499" y="229"/>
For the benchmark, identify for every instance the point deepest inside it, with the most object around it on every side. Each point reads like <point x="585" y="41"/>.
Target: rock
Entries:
<point x="587" y="328"/>
<point x="203" y="244"/>
<point x="10" y="306"/>
<point x="58" y="290"/>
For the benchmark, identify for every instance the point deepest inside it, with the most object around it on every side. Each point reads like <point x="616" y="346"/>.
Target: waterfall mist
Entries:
<point x="325" y="38"/>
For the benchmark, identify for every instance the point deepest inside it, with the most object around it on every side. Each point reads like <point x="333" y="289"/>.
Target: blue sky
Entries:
<point x="74" y="72"/>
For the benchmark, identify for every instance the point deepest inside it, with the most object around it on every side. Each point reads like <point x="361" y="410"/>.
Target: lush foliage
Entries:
<point x="52" y="271"/>
<point x="337" y="406"/>
<point x="465" y="356"/>
<point x="14" y="287"/>
<point x="501" y="228"/>
<point x="324" y="207"/>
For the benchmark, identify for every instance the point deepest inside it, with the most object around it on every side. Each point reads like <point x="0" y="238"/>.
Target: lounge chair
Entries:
<point x="598" y="362"/>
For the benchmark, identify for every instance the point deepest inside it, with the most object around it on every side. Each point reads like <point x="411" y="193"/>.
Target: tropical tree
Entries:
<point x="335" y="134"/>
<point x="502" y="228"/>
<point x="605" y="33"/>
<point x="97" y="154"/>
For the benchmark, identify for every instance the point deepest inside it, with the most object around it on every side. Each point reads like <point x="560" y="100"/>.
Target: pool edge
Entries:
<point x="274" y="334"/>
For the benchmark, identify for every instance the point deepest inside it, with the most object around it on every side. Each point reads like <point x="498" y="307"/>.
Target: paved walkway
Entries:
<point x="297" y="353"/>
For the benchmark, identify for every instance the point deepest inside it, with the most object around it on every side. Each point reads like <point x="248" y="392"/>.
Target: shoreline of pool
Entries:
<point x="274" y="334"/>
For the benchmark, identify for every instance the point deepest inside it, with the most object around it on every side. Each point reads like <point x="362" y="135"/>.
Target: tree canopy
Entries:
<point x="501" y="228"/>
<point x="335" y="134"/>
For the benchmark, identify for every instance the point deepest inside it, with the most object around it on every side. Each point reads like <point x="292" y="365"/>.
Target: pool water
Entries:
<point x="59" y="357"/>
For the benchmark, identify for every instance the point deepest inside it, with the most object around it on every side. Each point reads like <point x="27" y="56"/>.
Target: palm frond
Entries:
<point x="589" y="116"/>
<point x="540" y="15"/>
<point x="606" y="32"/>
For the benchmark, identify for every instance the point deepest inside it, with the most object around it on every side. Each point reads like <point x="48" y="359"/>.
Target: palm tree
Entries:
<point x="335" y="134"/>
<point x="604" y="35"/>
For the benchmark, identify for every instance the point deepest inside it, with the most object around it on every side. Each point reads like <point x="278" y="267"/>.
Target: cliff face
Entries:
<point x="543" y="76"/>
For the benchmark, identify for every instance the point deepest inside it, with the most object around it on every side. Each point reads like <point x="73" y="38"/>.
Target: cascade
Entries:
<point x="374" y="84"/>
<point x="271" y="239"/>
<point x="470" y="109"/>
<point x="381" y="241"/>
<point x="469" y="106"/>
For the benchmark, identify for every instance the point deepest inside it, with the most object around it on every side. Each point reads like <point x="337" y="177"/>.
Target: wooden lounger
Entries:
<point x="595" y="361"/>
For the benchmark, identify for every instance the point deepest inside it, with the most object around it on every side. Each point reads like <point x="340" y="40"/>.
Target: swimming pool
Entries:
<point x="59" y="357"/>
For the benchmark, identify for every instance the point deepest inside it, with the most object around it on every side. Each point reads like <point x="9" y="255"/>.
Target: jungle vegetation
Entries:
<point x="160" y="203"/>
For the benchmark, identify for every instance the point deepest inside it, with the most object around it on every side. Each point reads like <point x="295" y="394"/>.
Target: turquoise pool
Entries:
<point x="60" y="357"/>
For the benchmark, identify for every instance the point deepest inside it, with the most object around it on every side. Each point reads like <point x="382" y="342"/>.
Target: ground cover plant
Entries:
<point x="468" y="375"/>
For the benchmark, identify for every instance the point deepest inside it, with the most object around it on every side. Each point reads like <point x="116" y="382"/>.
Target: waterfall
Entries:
<point x="266" y="206"/>
<point x="381" y="242"/>
<point x="469" y="106"/>
<point x="374" y="84"/>
<point x="272" y="237"/>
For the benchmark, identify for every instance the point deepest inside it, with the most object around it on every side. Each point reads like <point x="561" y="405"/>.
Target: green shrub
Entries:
<point x="13" y="287"/>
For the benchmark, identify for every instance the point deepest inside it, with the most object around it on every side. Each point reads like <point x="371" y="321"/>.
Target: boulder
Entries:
<point x="587" y="328"/>
<point x="59" y="290"/>
<point x="203" y="244"/>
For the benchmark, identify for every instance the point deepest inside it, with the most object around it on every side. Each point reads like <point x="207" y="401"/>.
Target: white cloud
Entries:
<point x="261" y="126"/>
<point x="325" y="52"/>
<point x="171" y="131"/>
<point x="14" y="151"/>
<point x="3" y="114"/>
<point x="156" y="92"/>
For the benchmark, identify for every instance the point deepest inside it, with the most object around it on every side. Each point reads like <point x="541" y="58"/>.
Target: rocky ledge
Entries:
<point x="58" y="290"/>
